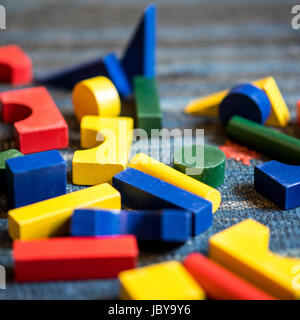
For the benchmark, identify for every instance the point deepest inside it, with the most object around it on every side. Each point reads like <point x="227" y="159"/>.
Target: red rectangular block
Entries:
<point x="74" y="258"/>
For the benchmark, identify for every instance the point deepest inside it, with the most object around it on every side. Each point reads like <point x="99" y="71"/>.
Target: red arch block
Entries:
<point x="39" y="125"/>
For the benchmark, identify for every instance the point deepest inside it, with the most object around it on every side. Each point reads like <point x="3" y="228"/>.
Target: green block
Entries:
<point x="271" y="142"/>
<point x="211" y="172"/>
<point x="148" y="113"/>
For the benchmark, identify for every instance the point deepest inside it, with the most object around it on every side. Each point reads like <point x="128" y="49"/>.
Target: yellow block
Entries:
<point x="100" y="163"/>
<point x="162" y="281"/>
<point x="209" y="105"/>
<point x="96" y="96"/>
<point x="51" y="217"/>
<point x="244" y="249"/>
<point x="163" y="172"/>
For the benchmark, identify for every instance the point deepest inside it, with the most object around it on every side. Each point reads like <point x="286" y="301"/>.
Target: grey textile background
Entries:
<point x="203" y="46"/>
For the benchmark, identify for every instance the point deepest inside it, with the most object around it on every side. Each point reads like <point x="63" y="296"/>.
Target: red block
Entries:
<point x="39" y="125"/>
<point x="298" y="112"/>
<point x="15" y="65"/>
<point x="219" y="283"/>
<point x="74" y="258"/>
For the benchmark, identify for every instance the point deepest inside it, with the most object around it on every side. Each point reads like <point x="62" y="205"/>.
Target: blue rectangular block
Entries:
<point x="35" y="177"/>
<point x="142" y="191"/>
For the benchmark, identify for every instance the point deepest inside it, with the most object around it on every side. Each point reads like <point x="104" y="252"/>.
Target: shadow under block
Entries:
<point x="39" y="125"/>
<point x="73" y="258"/>
<point x="278" y="182"/>
<point x="96" y="96"/>
<point x="210" y="170"/>
<point x="147" y="102"/>
<point x="244" y="250"/>
<point x="219" y="283"/>
<point x="270" y="142"/>
<point x="162" y="281"/>
<point x="35" y="177"/>
<point x="279" y="116"/>
<point x="139" y="58"/>
<point x="141" y="191"/>
<point x="163" y="172"/>
<point x="168" y="225"/>
<point x="103" y="160"/>
<point x="15" y="65"/>
<point x="51" y="217"/>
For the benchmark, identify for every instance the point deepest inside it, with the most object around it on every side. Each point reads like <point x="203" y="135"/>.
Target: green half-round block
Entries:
<point x="210" y="171"/>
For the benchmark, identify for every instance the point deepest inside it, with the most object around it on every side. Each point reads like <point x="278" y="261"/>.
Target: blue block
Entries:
<point x="278" y="182"/>
<point x="108" y="66"/>
<point x="35" y="177"/>
<point x="142" y="191"/>
<point x="139" y="56"/>
<point x="247" y="101"/>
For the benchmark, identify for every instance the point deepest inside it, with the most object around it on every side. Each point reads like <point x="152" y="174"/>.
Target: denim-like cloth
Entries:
<point x="203" y="46"/>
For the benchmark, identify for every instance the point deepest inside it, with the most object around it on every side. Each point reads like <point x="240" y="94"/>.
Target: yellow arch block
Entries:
<point x="109" y="140"/>
<point x="161" y="171"/>
<point x="51" y="217"/>
<point x="96" y="96"/>
<point x="244" y="249"/>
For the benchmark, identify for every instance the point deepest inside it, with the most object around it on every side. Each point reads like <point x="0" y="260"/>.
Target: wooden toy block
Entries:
<point x="219" y="283"/>
<point x="163" y="172"/>
<point x="108" y="66"/>
<point x="139" y="56"/>
<point x="210" y="172"/>
<point x="148" y="111"/>
<point x="247" y="101"/>
<point x="168" y="225"/>
<point x="15" y="65"/>
<point x="73" y="258"/>
<point x="39" y="125"/>
<point x="51" y="217"/>
<point x="298" y="112"/>
<point x="96" y="96"/>
<point x="162" y="281"/>
<point x="143" y="191"/>
<point x="278" y="182"/>
<point x="279" y="116"/>
<point x="269" y="141"/>
<point x="8" y="154"/>
<point x="243" y="249"/>
<point x="35" y="177"/>
<point x="101" y="162"/>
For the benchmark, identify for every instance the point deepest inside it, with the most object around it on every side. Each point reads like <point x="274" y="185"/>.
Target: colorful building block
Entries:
<point x="212" y="169"/>
<point x="271" y="142"/>
<point x="279" y="116"/>
<point x="8" y="154"/>
<point x="139" y="56"/>
<point x="219" y="283"/>
<point x="38" y="123"/>
<point x="73" y="258"/>
<point x="35" y="177"/>
<point x="247" y="101"/>
<point x="96" y="96"/>
<point x="143" y="191"/>
<point x="108" y="66"/>
<point x="163" y="172"/>
<point x="243" y="249"/>
<point x="101" y="162"/>
<point x="148" y="113"/>
<point x="162" y="281"/>
<point x="51" y="217"/>
<point x="298" y="112"/>
<point x="15" y="65"/>
<point x="278" y="182"/>
<point x="168" y="225"/>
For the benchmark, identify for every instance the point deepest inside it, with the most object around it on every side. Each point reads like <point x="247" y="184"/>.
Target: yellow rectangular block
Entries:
<point x="244" y="249"/>
<point x="162" y="281"/>
<point x="51" y="217"/>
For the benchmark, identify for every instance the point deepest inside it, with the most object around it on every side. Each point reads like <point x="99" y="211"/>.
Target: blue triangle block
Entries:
<point x="139" y="56"/>
<point x="108" y="66"/>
